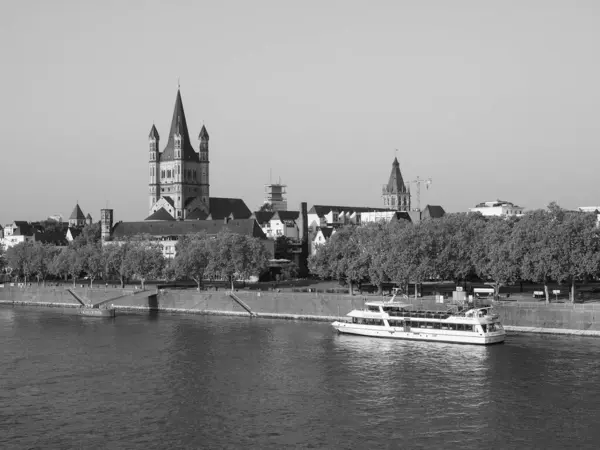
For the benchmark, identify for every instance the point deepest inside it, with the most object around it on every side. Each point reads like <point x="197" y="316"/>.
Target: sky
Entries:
<point x="489" y="99"/>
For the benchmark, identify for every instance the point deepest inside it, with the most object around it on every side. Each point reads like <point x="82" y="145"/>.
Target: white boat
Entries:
<point x="396" y="320"/>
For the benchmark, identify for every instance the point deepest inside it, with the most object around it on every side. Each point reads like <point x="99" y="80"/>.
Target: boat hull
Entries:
<point x="420" y="334"/>
<point x="96" y="312"/>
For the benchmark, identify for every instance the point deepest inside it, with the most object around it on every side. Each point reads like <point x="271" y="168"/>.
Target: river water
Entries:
<point x="165" y="381"/>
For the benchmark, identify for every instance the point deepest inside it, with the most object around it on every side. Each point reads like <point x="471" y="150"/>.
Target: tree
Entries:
<point x="494" y="255"/>
<point x="343" y="257"/>
<point x="145" y="259"/>
<point x="283" y="248"/>
<point x="90" y="234"/>
<point x="578" y="249"/>
<point x="116" y="260"/>
<point x="455" y="235"/>
<point x="192" y="255"/>
<point x="93" y="260"/>
<point x="234" y="255"/>
<point x="266" y="207"/>
<point x="536" y="246"/>
<point x="42" y="256"/>
<point x="59" y="265"/>
<point x="20" y="259"/>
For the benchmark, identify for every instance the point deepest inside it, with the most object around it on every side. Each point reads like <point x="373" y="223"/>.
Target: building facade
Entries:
<point x="498" y="208"/>
<point x="178" y="174"/>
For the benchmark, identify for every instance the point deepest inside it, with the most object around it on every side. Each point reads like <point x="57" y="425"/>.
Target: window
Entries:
<point x="162" y="173"/>
<point x="194" y="174"/>
<point x="169" y="173"/>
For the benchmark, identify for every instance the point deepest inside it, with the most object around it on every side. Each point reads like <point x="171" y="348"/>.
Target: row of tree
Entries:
<point x="542" y="246"/>
<point x="224" y="256"/>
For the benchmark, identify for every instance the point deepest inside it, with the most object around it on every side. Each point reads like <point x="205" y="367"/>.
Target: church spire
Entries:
<point x="396" y="182"/>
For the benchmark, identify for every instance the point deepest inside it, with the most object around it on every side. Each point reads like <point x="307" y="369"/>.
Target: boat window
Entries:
<point x="354" y="320"/>
<point x="373" y="308"/>
<point x="460" y="327"/>
<point x="444" y="326"/>
<point x="436" y="325"/>
<point x="484" y="327"/>
<point x="468" y="327"/>
<point x="452" y="326"/>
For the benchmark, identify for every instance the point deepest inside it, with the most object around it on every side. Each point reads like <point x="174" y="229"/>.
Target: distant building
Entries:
<point x="275" y="196"/>
<point x="279" y="223"/>
<point x="396" y="194"/>
<point x="21" y="231"/>
<point x="498" y="208"/>
<point x="77" y="218"/>
<point x="321" y="216"/>
<point x="321" y="237"/>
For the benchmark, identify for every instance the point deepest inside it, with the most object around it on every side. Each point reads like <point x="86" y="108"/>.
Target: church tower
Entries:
<point x="204" y="184"/>
<point x="179" y="178"/>
<point x="396" y="195"/>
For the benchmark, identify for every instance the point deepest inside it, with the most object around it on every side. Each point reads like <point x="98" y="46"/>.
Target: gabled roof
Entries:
<point x="74" y="232"/>
<point x="262" y="217"/>
<point x="322" y="210"/>
<point x="327" y="232"/>
<point x="400" y="215"/>
<point x="247" y="227"/>
<point x="77" y="213"/>
<point x="286" y="215"/>
<point x="161" y="214"/>
<point x="396" y="183"/>
<point x="89" y="216"/>
<point x="169" y="199"/>
<point x="197" y="214"/>
<point x="220" y="208"/>
<point x="24" y="228"/>
<point x="179" y="126"/>
<point x="433" y="212"/>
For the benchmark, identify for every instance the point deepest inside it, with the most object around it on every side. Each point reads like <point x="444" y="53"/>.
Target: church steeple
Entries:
<point x="395" y="193"/>
<point x="179" y="145"/>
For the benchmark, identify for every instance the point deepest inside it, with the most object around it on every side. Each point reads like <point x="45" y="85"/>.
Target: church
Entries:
<point x="179" y="187"/>
<point x="179" y="194"/>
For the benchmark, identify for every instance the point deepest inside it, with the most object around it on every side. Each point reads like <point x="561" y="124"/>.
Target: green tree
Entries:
<point x="266" y="207"/>
<point x="192" y="255"/>
<point x="145" y="259"/>
<point x="233" y="255"/>
<point x="59" y="266"/>
<point x="90" y="234"/>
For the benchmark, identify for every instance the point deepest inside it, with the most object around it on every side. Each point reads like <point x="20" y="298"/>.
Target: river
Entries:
<point x="175" y="381"/>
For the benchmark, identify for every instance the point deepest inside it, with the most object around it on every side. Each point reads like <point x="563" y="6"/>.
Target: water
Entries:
<point x="220" y="382"/>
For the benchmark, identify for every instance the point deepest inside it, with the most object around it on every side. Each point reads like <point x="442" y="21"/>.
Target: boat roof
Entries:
<point x="388" y="303"/>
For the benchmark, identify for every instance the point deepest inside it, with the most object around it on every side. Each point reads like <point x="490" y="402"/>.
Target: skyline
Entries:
<point x="490" y="101"/>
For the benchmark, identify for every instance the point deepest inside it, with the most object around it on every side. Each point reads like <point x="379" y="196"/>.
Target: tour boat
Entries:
<point x="393" y="319"/>
<point x="96" y="312"/>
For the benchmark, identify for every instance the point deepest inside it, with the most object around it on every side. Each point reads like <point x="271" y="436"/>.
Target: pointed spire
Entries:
<point x="77" y="213"/>
<point x="154" y="133"/>
<point x="203" y="134"/>
<point x="396" y="183"/>
<point x="178" y="123"/>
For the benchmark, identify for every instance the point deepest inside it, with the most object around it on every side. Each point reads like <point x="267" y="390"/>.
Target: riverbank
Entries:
<point x="565" y="318"/>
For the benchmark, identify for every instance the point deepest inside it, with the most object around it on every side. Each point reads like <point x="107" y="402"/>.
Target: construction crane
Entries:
<point x="418" y="181"/>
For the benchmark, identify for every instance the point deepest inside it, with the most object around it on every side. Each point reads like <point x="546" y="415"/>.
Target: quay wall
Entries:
<point x="290" y="305"/>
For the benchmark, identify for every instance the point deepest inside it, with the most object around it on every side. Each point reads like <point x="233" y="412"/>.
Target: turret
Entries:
<point x="154" y="163"/>
<point x="106" y="223"/>
<point x="204" y="175"/>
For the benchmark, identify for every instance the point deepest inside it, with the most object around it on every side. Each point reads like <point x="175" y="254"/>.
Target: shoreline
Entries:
<point x="280" y="316"/>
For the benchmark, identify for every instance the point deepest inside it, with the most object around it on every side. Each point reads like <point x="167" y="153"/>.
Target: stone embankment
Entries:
<point x="565" y="318"/>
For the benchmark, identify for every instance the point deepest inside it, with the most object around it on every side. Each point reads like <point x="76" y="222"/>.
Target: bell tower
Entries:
<point x="204" y="177"/>
<point x="396" y="196"/>
<point x="154" y="163"/>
